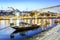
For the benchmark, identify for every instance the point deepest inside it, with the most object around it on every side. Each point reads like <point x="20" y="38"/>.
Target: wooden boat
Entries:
<point x="24" y="26"/>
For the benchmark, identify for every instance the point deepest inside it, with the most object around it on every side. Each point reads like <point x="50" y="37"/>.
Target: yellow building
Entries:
<point x="32" y="17"/>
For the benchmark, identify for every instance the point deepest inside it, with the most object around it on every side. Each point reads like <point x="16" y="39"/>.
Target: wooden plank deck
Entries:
<point x="51" y="34"/>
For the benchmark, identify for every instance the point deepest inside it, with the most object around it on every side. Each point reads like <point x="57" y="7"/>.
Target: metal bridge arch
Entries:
<point x="56" y="8"/>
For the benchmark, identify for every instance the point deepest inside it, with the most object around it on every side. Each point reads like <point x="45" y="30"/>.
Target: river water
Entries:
<point x="5" y="33"/>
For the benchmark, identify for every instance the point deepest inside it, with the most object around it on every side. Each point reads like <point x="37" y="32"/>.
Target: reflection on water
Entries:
<point x="3" y="24"/>
<point x="5" y="33"/>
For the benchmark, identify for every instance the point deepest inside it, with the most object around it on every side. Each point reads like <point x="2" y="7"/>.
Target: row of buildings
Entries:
<point x="33" y="16"/>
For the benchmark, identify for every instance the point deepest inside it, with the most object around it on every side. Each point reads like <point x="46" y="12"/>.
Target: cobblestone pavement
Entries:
<point x="51" y="34"/>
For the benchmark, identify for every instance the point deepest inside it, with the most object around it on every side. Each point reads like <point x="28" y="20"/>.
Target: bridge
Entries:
<point x="55" y="8"/>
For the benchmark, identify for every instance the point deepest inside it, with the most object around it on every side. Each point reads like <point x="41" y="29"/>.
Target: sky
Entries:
<point x="28" y="4"/>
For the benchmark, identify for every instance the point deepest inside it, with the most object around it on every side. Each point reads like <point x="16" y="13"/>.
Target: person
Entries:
<point x="44" y="25"/>
<point x="57" y="21"/>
